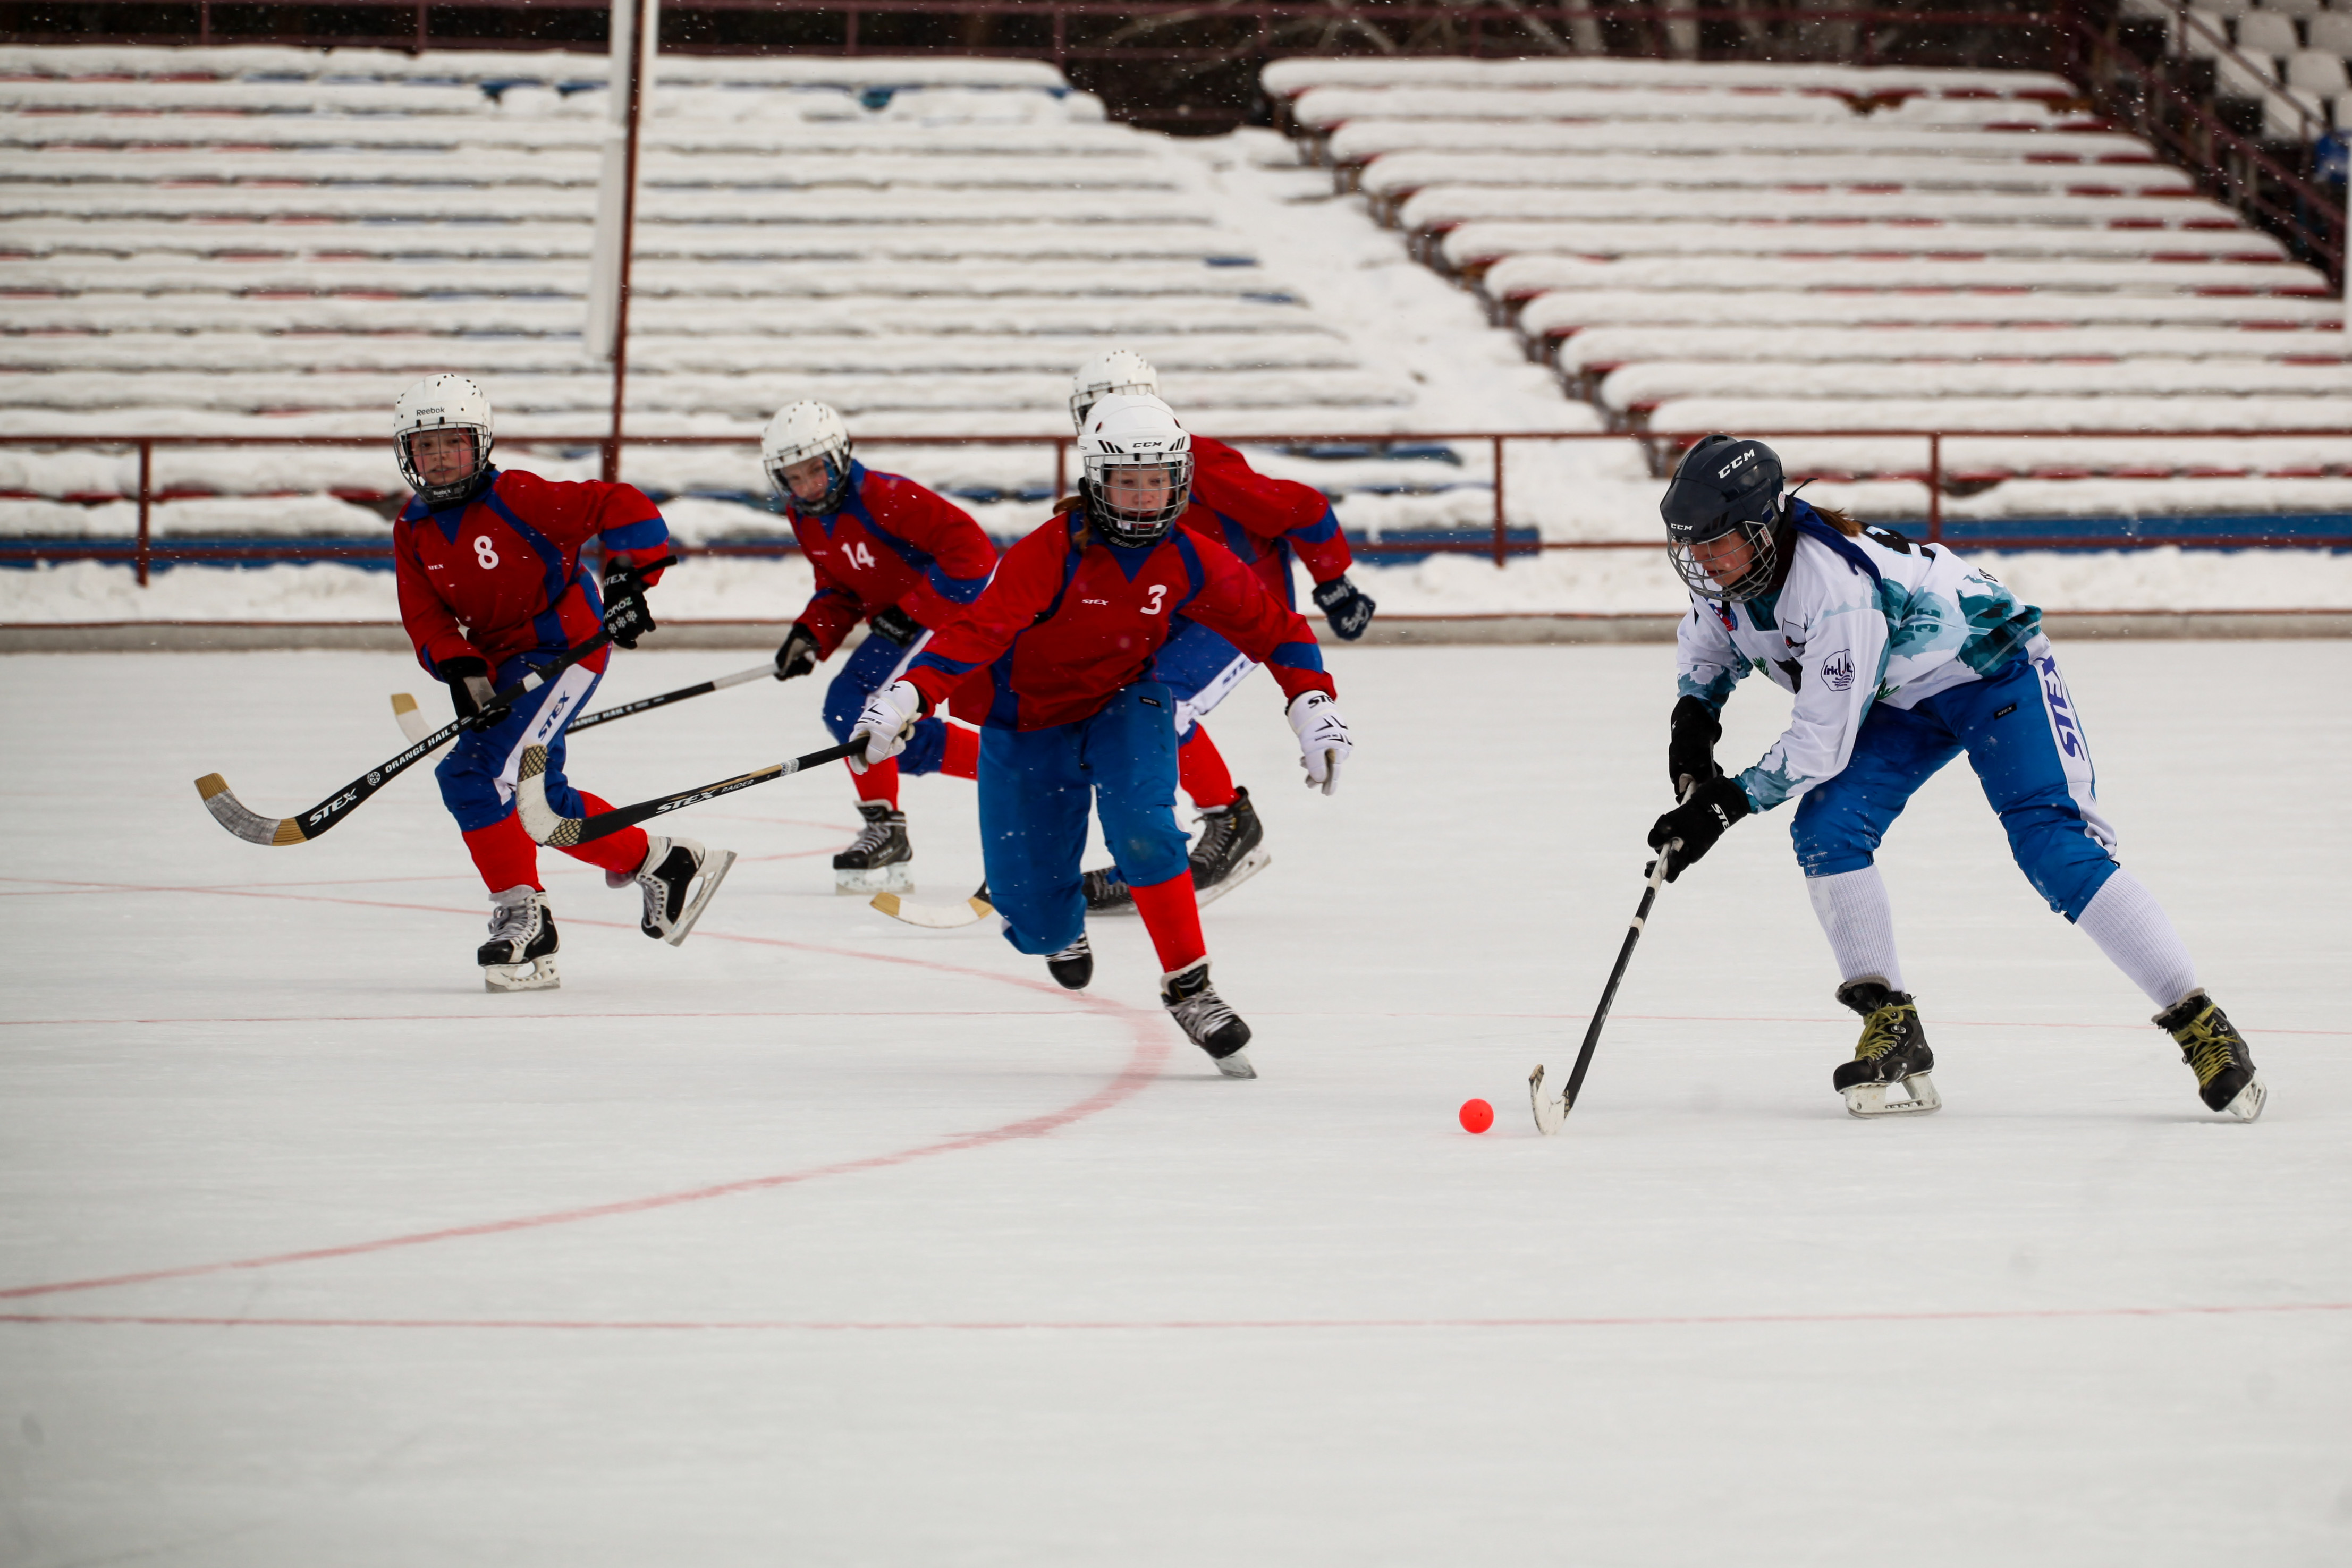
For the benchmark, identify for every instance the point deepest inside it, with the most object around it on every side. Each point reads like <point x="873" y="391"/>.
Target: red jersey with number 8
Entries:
<point x="500" y="574"/>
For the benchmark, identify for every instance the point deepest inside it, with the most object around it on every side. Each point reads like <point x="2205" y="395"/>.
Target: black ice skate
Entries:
<point x="1893" y="1049"/>
<point x="1228" y="853"/>
<point x="1230" y="850"/>
<point x="1205" y="1018"/>
<point x="879" y="860"/>
<point x="1073" y="965"/>
<point x="673" y="901"/>
<point x="2211" y="1045"/>
<point x="520" y="953"/>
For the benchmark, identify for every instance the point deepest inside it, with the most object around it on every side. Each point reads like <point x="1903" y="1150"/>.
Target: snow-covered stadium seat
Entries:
<point x="268" y="240"/>
<point x="1963" y="251"/>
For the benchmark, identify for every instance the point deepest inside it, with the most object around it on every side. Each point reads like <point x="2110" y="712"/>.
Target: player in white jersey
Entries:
<point x="1901" y="656"/>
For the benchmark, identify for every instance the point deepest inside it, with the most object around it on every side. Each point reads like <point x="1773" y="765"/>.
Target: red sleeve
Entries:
<point x="963" y="555"/>
<point x="432" y="627"/>
<point x="1027" y="579"/>
<point x="1236" y="605"/>
<point x="833" y="609"/>
<point x="1270" y="508"/>
<point x="620" y="517"/>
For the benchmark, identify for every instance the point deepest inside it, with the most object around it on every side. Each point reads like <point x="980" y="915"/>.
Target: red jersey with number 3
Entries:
<point x="1071" y="620"/>
<point x="499" y="575"/>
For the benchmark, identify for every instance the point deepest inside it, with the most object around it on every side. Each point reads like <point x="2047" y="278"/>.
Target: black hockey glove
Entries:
<point x="896" y="624"/>
<point x="1690" y="745"/>
<point x="1698" y="822"/>
<point x="798" y="655"/>
<point x="468" y="681"/>
<point x="626" y="615"/>
<point x="1345" y="606"/>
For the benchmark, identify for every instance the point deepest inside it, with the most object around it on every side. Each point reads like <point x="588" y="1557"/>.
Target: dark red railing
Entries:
<point x="142" y="551"/>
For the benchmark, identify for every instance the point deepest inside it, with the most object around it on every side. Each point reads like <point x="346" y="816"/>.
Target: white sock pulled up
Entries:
<point x="1860" y="923"/>
<point x="2132" y="929"/>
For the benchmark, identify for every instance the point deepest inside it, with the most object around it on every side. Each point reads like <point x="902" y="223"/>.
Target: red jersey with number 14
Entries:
<point x="892" y="543"/>
<point x="499" y="575"/>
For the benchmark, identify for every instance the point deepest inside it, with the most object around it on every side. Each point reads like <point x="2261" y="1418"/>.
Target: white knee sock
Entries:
<point x="2132" y="929"/>
<point x="1860" y="923"/>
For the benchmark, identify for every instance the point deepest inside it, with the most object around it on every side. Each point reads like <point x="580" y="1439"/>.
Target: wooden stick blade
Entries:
<point x="938" y="917"/>
<point x="1552" y="1110"/>
<point x="539" y="818"/>
<point x="252" y="827"/>
<point x="410" y="717"/>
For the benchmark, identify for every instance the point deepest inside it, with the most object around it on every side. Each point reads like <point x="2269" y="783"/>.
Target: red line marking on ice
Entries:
<point x="477" y="1017"/>
<point x="1142" y="1066"/>
<point x="1149" y="1326"/>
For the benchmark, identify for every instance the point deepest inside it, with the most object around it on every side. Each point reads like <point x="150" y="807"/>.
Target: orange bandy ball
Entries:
<point x="1476" y="1115"/>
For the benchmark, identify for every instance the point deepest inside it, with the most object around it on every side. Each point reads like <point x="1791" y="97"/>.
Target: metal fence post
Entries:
<point x="1501" y="538"/>
<point x="146" y="486"/>
<point x="1061" y="467"/>
<point x="1935" y="487"/>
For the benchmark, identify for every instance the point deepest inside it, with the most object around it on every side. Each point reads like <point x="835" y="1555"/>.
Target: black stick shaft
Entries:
<point x="619" y="817"/>
<point x="1608" y="993"/>
<point x="646" y="705"/>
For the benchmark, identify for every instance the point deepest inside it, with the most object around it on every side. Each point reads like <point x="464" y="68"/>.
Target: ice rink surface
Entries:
<point x="826" y="1240"/>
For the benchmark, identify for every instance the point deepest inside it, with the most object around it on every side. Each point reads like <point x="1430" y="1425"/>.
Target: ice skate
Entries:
<point x="668" y="878"/>
<point x="1073" y="965"/>
<point x="2211" y="1044"/>
<point x="1230" y="850"/>
<point x="1893" y="1051"/>
<point x="879" y="860"/>
<point x="520" y="953"/>
<point x="1205" y="1018"/>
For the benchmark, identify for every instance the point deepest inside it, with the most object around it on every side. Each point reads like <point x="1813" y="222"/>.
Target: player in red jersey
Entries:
<point x="890" y="553"/>
<point x="1059" y="653"/>
<point x="490" y="588"/>
<point x="1266" y="523"/>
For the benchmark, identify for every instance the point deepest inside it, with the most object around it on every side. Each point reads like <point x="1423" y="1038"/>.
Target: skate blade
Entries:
<point x="937" y="916"/>
<point x="896" y="877"/>
<point x="539" y="975"/>
<point x="1248" y="867"/>
<point x="1870" y="1099"/>
<point x="2249" y="1101"/>
<point x="715" y="867"/>
<point x="1552" y="1110"/>
<point x="1237" y="1065"/>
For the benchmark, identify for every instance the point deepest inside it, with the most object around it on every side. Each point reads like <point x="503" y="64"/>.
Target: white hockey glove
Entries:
<point x="886" y="722"/>
<point x="1323" y="742"/>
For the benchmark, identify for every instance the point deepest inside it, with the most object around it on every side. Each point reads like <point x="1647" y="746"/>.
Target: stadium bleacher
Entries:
<point x="2284" y="60"/>
<point x="270" y="241"/>
<point x="1799" y="247"/>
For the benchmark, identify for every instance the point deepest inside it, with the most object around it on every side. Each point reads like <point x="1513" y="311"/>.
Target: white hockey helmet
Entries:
<point x="801" y="431"/>
<point x="443" y="403"/>
<point x="1131" y="439"/>
<point x="1112" y="370"/>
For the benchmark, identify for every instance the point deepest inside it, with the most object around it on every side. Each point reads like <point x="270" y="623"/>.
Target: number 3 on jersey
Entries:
<point x="1158" y="597"/>
<point x="484" y="553"/>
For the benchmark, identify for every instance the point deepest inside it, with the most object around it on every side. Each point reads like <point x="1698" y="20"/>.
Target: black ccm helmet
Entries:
<point x="1726" y="485"/>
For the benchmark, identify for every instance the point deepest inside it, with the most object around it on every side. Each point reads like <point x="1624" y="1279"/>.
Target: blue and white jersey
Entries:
<point x="1857" y="621"/>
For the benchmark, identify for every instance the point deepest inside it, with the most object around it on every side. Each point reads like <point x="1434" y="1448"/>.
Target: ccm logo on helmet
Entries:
<point x="1747" y="457"/>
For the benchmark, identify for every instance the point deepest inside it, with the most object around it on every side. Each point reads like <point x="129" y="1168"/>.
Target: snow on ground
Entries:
<point x="822" y="1240"/>
<point x="1623" y="581"/>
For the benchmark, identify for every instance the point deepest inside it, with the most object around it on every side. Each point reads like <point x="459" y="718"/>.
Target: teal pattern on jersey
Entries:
<point x="1999" y="626"/>
<point x="1713" y="693"/>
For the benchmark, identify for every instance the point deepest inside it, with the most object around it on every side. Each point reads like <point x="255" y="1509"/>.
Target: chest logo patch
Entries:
<point x="1837" y="671"/>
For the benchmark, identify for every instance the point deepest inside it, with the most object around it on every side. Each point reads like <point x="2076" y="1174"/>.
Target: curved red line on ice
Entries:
<point x="1142" y="1065"/>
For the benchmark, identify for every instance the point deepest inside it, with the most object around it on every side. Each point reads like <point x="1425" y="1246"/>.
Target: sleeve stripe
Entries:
<point x="1316" y="533"/>
<point x="963" y="589"/>
<point x="1298" y="657"/>
<point x="929" y="661"/>
<point x="640" y="534"/>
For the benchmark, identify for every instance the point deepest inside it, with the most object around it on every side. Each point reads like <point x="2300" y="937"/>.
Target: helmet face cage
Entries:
<point x="455" y="490"/>
<point x="1132" y="525"/>
<point x="1763" y="538"/>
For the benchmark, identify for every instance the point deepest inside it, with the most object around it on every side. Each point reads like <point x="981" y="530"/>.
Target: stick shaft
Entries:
<point x="1609" y="992"/>
<point x="613" y="821"/>
<point x="646" y="705"/>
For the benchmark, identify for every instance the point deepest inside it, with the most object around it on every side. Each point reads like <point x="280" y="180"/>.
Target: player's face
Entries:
<point x="1139" y="492"/>
<point x="1725" y="557"/>
<point x="808" y="479"/>
<point x="442" y="457"/>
